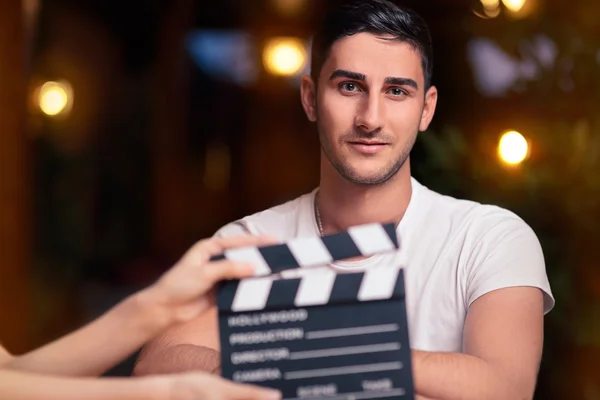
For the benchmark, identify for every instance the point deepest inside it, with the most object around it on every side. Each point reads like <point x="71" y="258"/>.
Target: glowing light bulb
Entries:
<point x="514" y="5"/>
<point x="490" y="4"/>
<point x="54" y="97"/>
<point x="491" y="8"/>
<point x="284" y="56"/>
<point x="513" y="148"/>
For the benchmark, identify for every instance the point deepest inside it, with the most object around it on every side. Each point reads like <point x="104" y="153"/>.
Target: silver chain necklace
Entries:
<point x="318" y="216"/>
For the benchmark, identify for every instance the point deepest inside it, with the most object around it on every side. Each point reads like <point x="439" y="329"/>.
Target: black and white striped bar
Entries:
<point x="316" y="287"/>
<point x="325" y="335"/>
<point x="361" y="240"/>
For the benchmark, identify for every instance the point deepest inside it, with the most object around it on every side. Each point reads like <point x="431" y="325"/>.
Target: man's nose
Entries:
<point x="370" y="116"/>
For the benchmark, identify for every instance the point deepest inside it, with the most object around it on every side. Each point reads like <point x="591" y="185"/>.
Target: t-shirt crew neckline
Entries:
<point x="369" y="261"/>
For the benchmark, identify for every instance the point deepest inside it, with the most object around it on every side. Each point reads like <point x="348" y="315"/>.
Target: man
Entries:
<point x="477" y="289"/>
<point x="66" y="368"/>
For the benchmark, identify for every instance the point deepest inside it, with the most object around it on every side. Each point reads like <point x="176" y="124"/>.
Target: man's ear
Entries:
<point x="428" y="108"/>
<point x="308" y="96"/>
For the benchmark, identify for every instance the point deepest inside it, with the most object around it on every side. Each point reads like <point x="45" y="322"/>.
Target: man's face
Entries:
<point x="369" y="106"/>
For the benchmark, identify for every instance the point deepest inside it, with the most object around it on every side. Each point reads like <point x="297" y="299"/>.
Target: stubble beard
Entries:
<point x="350" y="174"/>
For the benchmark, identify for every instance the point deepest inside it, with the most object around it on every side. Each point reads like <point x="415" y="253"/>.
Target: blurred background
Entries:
<point x="130" y="129"/>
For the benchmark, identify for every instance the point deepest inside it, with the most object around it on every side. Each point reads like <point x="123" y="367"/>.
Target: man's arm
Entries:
<point x="503" y="339"/>
<point x="502" y="342"/>
<point x="191" y="346"/>
<point x="507" y="294"/>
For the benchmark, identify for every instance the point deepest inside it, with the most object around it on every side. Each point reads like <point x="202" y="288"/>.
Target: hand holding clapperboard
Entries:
<point x="324" y="335"/>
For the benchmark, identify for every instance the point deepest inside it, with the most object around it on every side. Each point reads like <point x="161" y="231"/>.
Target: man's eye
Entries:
<point x="397" y="92"/>
<point x="348" y="87"/>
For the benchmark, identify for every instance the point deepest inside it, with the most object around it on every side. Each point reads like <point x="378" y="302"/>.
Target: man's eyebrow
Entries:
<point x="357" y="76"/>
<point x="402" y="82"/>
<point x="347" y="74"/>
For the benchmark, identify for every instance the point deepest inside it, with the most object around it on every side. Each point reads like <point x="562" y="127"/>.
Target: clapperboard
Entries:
<point x="324" y="334"/>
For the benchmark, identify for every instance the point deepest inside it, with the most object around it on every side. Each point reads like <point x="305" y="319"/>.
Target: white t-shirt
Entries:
<point x="452" y="251"/>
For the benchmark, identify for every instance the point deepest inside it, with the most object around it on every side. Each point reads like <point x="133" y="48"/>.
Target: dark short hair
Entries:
<point x="377" y="17"/>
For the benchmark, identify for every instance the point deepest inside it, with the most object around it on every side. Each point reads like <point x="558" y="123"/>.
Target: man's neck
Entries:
<point x="342" y="204"/>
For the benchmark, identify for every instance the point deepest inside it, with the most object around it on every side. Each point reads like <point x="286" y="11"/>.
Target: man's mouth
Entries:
<point x="367" y="146"/>
<point x="368" y="142"/>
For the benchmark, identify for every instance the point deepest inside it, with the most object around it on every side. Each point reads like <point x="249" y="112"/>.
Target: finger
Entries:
<point x="216" y="271"/>
<point x="218" y="245"/>
<point x="215" y="246"/>
<point x="237" y="391"/>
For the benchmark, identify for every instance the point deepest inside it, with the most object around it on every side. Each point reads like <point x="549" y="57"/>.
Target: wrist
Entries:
<point x="150" y="315"/>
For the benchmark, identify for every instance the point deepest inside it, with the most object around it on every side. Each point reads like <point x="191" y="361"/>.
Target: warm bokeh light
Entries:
<point x="54" y="97"/>
<point x="513" y="148"/>
<point x="490" y="4"/>
<point x="491" y="8"/>
<point x="290" y="7"/>
<point x="514" y="5"/>
<point x="284" y="56"/>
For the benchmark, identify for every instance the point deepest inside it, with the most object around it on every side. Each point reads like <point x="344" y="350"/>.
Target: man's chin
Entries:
<point x="367" y="175"/>
<point x="367" y="179"/>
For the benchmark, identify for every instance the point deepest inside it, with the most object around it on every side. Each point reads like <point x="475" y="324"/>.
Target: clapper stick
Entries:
<point x="325" y="335"/>
<point x="362" y="240"/>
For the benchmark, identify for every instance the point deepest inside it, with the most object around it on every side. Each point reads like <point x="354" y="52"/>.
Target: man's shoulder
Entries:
<point x="282" y="221"/>
<point x="476" y="218"/>
<point x="494" y="247"/>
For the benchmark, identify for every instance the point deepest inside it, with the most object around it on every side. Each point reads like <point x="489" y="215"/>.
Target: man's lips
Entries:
<point x="367" y="142"/>
<point x="367" y="147"/>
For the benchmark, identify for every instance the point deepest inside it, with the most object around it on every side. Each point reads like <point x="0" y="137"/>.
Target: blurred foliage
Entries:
<point x="557" y="190"/>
